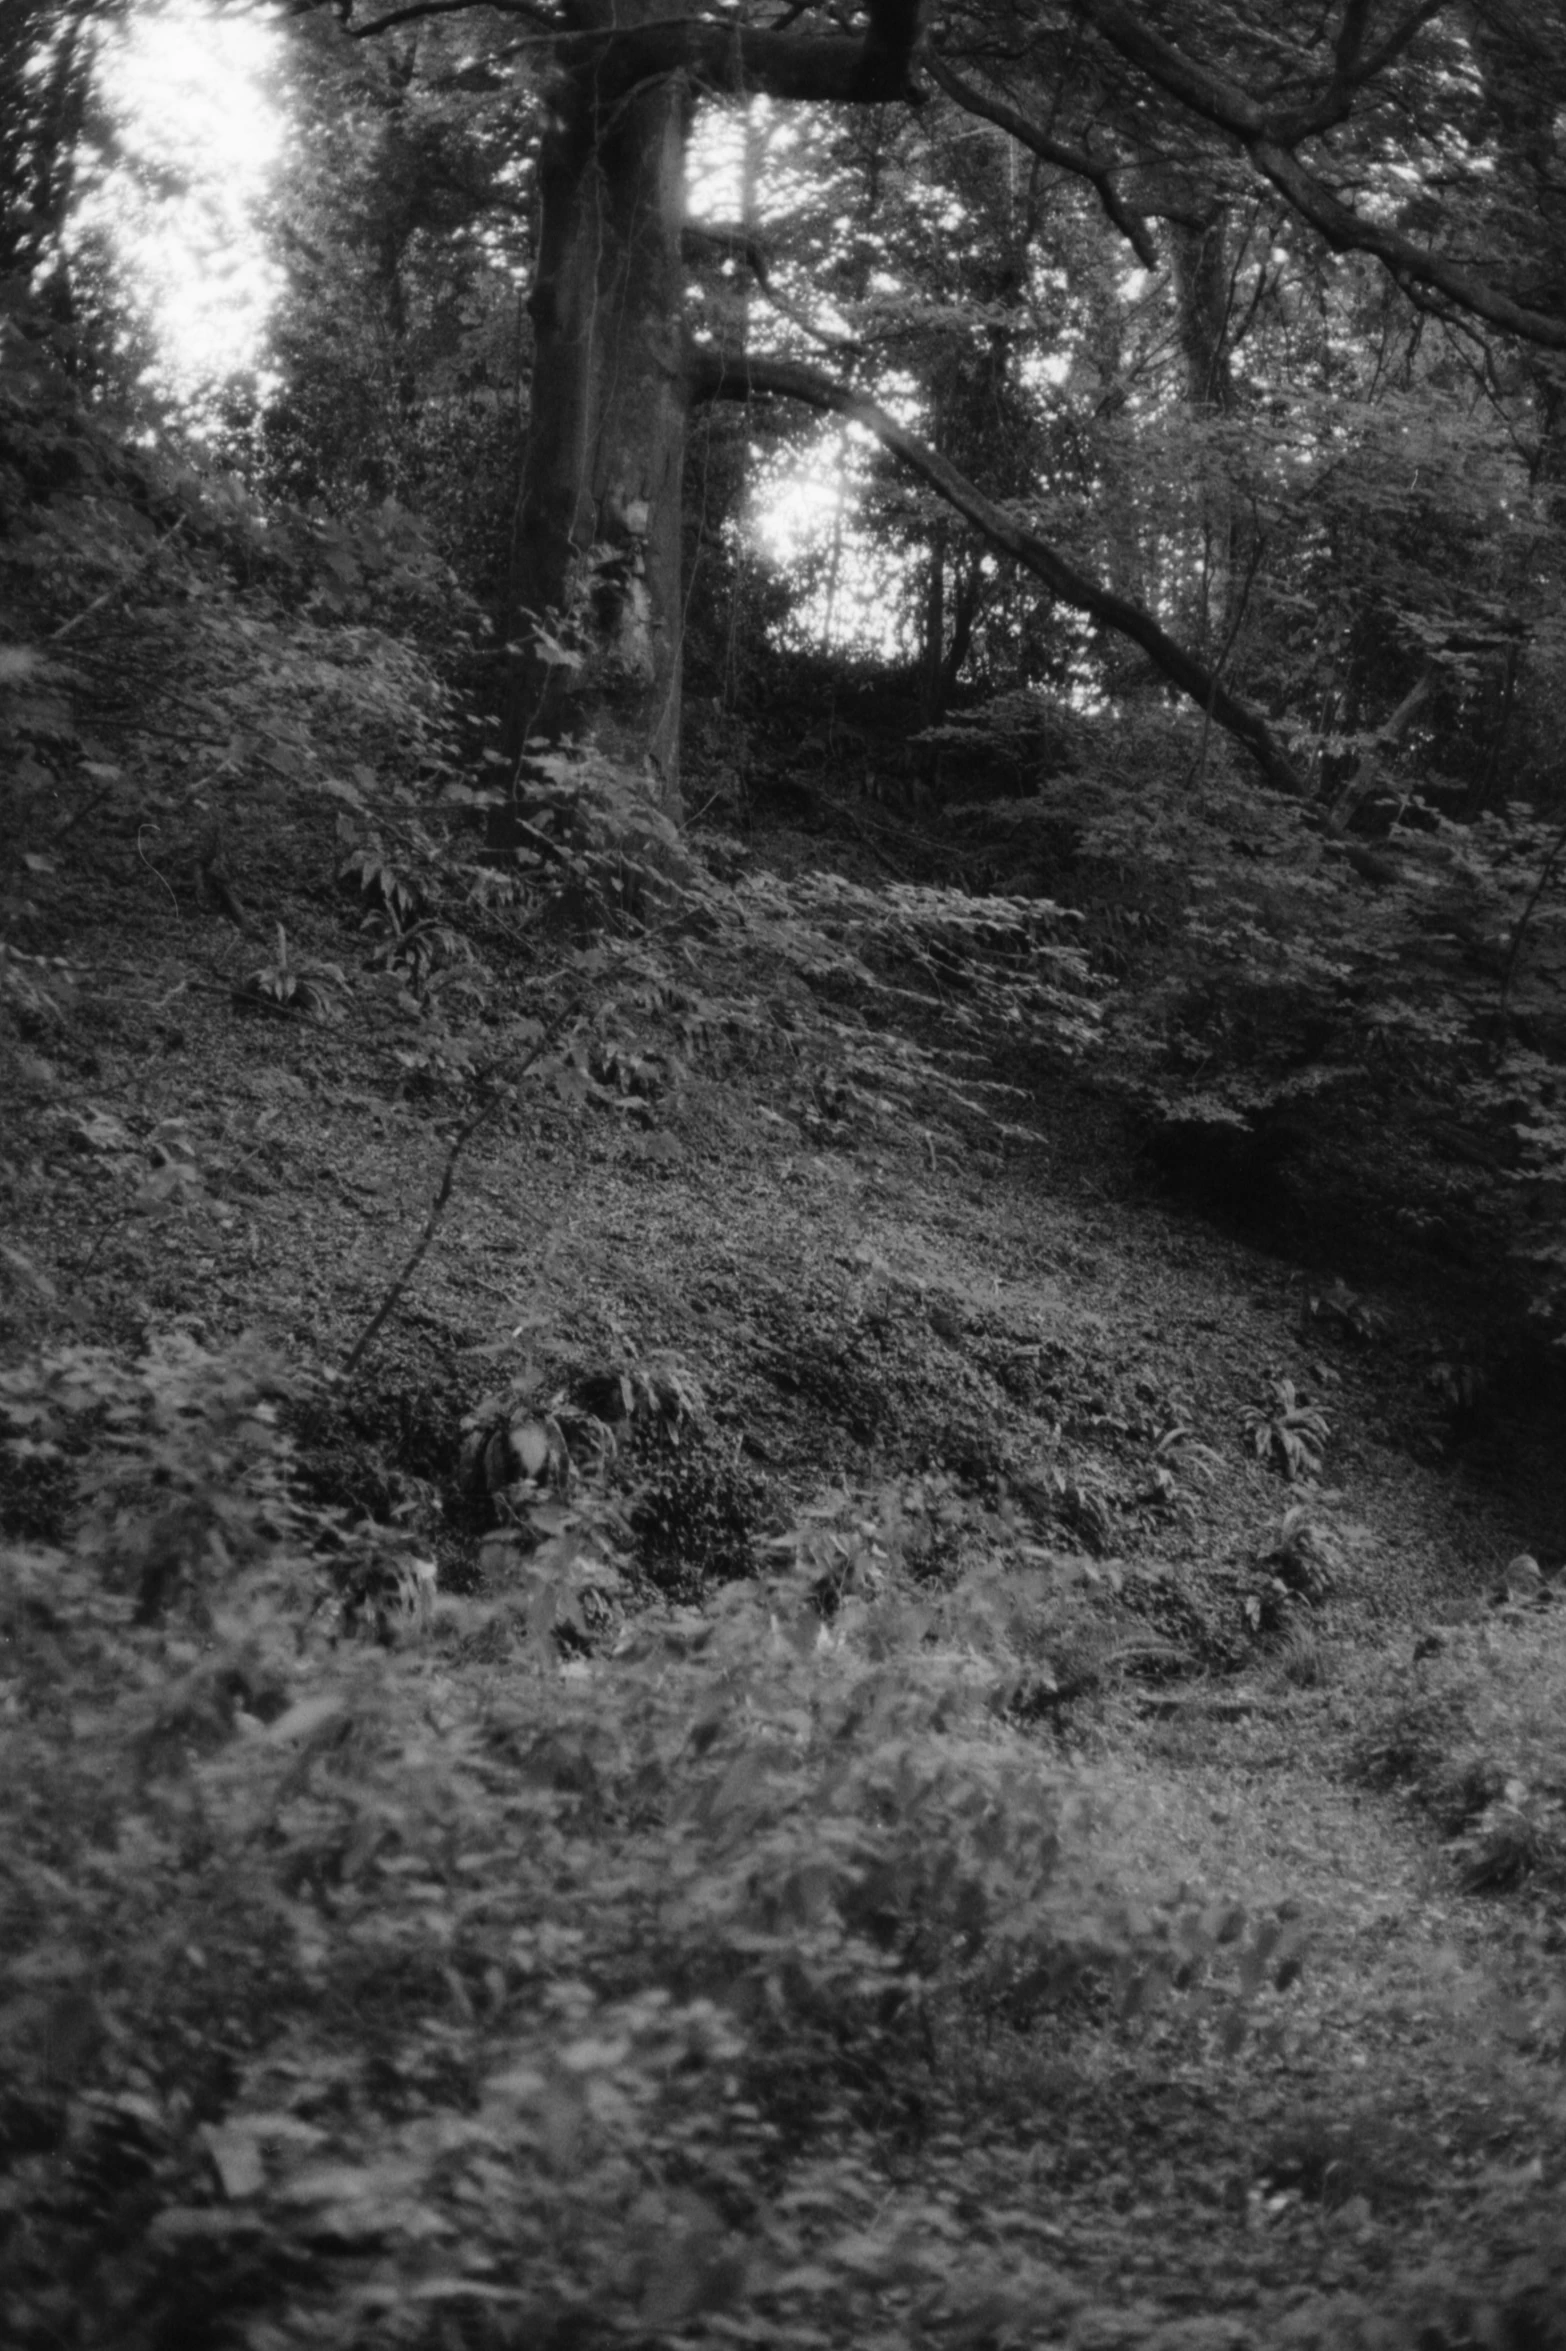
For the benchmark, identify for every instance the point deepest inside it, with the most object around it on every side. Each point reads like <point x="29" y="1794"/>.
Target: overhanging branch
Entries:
<point x="725" y="58"/>
<point x="1268" y="140"/>
<point x="1348" y="232"/>
<point x="1131" y="224"/>
<point x="718" y="375"/>
<point x="735" y="60"/>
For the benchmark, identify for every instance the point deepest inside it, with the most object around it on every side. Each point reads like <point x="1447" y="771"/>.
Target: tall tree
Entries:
<point x="1346" y="127"/>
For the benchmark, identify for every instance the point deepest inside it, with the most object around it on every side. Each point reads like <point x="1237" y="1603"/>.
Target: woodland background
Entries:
<point x="781" y="961"/>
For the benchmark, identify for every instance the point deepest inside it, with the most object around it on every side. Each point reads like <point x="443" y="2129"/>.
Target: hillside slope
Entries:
<point x="896" y="1824"/>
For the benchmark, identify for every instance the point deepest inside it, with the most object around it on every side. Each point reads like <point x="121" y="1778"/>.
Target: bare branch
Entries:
<point x="1409" y="263"/>
<point x="459" y="1143"/>
<point x="1388" y="737"/>
<point x="1391" y="48"/>
<point x="1200" y="87"/>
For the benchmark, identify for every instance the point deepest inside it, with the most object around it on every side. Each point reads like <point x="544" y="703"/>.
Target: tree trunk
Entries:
<point x="932" y="658"/>
<point x="596" y="603"/>
<point x="965" y="611"/>
<point x="1203" y="291"/>
<point x="596" y="609"/>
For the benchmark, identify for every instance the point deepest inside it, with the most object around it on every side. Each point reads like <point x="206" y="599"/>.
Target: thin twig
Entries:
<point x="153" y="870"/>
<point x="460" y="1141"/>
<point x="96" y="801"/>
<point x="459" y="1144"/>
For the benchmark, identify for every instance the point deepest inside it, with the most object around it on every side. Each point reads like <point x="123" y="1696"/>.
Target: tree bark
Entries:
<point x="596" y="571"/>
<point x="596" y="608"/>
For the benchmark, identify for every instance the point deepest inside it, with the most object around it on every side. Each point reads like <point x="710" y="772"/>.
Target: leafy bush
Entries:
<point x="172" y="653"/>
<point x="1281" y="982"/>
<point x="598" y="853"/>
<point x="813" y="975"/>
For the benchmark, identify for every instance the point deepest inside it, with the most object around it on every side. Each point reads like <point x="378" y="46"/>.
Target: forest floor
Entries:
<point x="1225" y="1649"/>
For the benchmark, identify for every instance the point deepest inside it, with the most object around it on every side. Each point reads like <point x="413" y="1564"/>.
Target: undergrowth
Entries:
<point x="547" y="1964"/>
<point x="1475" y="1730"/>
<point x="350" y="1985"/>
<point x="1283" y="997"/>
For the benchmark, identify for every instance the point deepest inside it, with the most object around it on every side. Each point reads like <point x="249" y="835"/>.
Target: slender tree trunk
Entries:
<point x="596" y="604"/>
<point x="1203" y="291"/>
<point x="965" y="611"/>
<point x="932" y="664"/>
<point x="1202" y="297"/>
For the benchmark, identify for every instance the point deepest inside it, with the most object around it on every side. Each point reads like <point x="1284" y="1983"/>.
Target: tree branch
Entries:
<point x="733" y="60"/>
<point x="1073" y="159"/>
<point x="738" y="244"/>
<point x="1347" y="232"/>
<point x="1200" y="87"/>
<point x="1269" y="142"/>
<point x="729" y="59"/>
<point x="718" y="375"/>
<point x="1514" y="950"/>
<point x="1388" y="737"/>
<point x="1351" y="70"/>
<point x="417" y="10"/>
<point x="1351" y="39"/>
